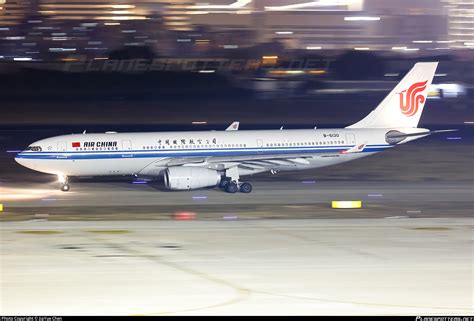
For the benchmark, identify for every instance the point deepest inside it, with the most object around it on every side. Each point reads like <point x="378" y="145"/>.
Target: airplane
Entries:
<point x="198" y="159"/>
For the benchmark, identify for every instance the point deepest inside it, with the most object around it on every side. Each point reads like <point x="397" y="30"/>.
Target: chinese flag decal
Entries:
<point x="76" y="144"/>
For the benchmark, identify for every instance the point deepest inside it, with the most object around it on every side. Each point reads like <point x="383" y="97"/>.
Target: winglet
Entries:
<point x="233" y="126"/>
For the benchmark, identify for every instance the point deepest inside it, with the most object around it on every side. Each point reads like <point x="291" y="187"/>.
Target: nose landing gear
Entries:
<point x="64" y="181"/>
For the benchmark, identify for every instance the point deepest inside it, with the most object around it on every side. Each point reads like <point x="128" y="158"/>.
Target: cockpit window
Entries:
<point x="33" y="148"/>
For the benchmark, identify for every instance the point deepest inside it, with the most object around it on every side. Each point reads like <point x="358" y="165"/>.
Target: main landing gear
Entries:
<point x="64" y="181"/>
<point x="232" y="186"/>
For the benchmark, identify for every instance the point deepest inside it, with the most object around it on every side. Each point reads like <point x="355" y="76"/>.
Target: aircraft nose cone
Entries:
<point x="23" y="162"/>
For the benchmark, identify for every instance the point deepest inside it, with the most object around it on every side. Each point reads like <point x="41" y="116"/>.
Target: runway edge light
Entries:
<point x="346" y="204"/>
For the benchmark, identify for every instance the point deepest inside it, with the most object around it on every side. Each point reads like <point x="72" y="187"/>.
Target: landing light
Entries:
<point x="62" y="178"/>
<point x="361" y="18"/>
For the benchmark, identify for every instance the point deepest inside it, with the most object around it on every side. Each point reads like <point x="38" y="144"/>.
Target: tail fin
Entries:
<point x="404" y="105"/>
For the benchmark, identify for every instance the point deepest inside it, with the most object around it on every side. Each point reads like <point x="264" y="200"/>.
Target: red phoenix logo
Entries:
<point x="413" y="98"/>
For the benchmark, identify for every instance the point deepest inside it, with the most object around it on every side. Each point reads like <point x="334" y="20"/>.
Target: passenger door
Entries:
<point x="350" y="139"/>
<point x="126" y="145"/>
<point x="62" y="147"/>
<point x="260" y="145"/>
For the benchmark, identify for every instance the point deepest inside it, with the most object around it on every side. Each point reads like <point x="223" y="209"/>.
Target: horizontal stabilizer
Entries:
<point x="422" y="133"/>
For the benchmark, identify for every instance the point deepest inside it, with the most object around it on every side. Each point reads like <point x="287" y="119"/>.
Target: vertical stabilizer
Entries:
<point x="404" y="105"/>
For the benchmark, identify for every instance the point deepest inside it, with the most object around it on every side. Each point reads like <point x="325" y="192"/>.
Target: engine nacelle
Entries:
<point x="187" y="177"/>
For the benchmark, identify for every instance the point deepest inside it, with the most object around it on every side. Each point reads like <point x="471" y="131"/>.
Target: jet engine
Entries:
<point x="183" y="177"/>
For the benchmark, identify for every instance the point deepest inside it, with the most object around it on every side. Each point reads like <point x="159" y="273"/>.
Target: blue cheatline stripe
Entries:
<point x="192" y="152"/>
<point x="180" y="150"/>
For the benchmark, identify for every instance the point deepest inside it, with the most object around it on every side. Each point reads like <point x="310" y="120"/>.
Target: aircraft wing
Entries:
<point x="257" y="163"/>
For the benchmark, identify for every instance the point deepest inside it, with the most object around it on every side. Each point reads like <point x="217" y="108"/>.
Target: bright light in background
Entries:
<point x="449" y="90"/>
<point x="237" y="4"/>
<point x="284" y="32"/>
<point x="361" y="18"/>
<point x="122" y="18"/>
<point x="405" y="48"/>
<point x="123" y="6"/>
<point x="317" y="5"/>
<point x="361" y="48"/>
<point x="121" y="12"/>
<point x="314" y="48"/>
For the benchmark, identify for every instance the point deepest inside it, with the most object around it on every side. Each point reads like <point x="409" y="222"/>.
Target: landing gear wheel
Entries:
<point x="65" y="187"/>
<point x="224" y="182"/>
<point x="245" y="188"/>
<point x="231" y="188"/>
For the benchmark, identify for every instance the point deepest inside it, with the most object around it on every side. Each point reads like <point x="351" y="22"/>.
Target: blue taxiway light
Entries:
<point x="139" y="182"/>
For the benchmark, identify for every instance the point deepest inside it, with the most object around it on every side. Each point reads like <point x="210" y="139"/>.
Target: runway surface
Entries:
<point x="264" y="267"/>
<point x="302" y="199"/>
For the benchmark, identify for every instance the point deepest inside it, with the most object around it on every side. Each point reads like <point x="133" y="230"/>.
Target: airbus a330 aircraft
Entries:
<point x="190" y="160"/>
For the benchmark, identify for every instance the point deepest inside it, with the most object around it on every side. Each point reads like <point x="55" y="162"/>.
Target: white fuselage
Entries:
<point x="148" y="154"/>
